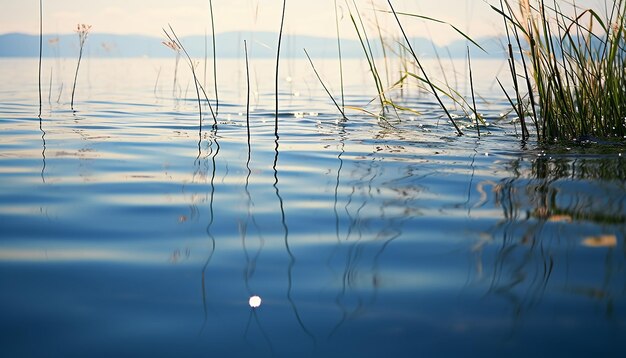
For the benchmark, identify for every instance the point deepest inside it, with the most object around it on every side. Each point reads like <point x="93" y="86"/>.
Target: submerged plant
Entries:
<point x="83" y="31"/>
<point x="574" y="65"/>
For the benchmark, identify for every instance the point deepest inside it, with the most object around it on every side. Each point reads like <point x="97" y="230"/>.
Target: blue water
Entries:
<point x="127" y="231"/>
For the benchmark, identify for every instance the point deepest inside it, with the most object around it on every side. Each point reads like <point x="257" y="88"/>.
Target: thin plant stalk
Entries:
<point x="471" y="80"/>
<point x="83" y="31"/>
<point x="49" y="90"/>
<point x="519" y="107"/>
<point x="245" y="47"/>
<point x="323" y="85"/>
<point x="382" y="43"/>
<point x="206" y="55"/>
<point x="40" y="49"/>
<point x="217" y="100"/>
<point x="175" y="75"/>
<point x="343" y="101"/>
<point x="280" y="37"/>
<point x="369" y="55"/>
<point x="174" y="39"/>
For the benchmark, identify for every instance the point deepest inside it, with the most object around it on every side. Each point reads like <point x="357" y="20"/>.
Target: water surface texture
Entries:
<point x="127" y="231"/>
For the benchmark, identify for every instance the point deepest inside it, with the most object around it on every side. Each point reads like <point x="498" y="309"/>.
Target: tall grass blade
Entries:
<point x="280" y="37"/>
<point x="471" y="80"/>
<point x="40" y="49"/>
<point x="217" y="100"/>
<point x="343" y="101"/>
<point x="323" y="85"/>
<point x="174" y="39"/>
<point x="427" y="80"/>
<point x="245" y="47"/>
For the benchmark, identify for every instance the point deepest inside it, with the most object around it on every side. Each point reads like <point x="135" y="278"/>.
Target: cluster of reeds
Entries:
<point x="571" y="82"/>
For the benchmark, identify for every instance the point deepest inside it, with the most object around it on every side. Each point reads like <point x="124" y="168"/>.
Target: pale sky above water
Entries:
<point x="191" y="17"/>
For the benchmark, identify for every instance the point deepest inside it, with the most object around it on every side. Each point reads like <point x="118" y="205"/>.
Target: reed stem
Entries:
<point x="40" y="49"/>
<point x="280" y="37"/>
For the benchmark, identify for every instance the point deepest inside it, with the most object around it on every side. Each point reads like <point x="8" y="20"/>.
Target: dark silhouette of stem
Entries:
<point x="82" y="34"/>
<point x="343" y="102"/>
<point x="40" y="49"/>
<point x="471" y="79"/>
<point x="217" y="101"/>
<point x="280" y="37"/>
<point x="323" y="85"/>
<point x="245" y="46"/>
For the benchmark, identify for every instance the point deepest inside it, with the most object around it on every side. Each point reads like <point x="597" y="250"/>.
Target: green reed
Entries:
<point x="367" y="50"/>
<point x="574" y="65"/>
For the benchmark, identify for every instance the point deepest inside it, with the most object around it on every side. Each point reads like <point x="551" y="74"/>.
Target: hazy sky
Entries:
<point x="315" y="17"/>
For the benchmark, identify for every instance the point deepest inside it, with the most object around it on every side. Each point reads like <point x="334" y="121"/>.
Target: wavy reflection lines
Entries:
<point x="251" y="259"/>
<point x="209" y="232"/>
<point x="553" y="211"/>
<point x="292" y="258"/>
<point x="43" y="149"/>
<point x="364" y="230"/>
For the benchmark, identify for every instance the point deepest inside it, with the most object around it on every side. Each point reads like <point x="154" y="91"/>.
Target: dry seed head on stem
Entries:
<point x="83" y="31"/>
<point x="172" y="45"/>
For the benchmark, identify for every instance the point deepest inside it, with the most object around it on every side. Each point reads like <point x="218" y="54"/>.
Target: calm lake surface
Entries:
<point x="126" y="231"/>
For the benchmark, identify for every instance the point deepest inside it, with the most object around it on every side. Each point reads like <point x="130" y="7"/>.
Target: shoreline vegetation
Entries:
<point x="566" y="68"/>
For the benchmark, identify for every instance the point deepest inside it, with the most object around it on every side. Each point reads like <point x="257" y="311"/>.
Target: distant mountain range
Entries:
<point x="229" y="45"/>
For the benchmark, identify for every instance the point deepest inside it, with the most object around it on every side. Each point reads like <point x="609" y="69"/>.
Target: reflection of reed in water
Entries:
<point x="367" y="235"/>
<point x="292" y="258"/>
<point x="210" y="224"/>
<point x="553" y="212"/>
<point x="43" y="150"/>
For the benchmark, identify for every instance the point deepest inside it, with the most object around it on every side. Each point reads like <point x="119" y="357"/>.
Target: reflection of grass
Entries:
<point x="547" y="220"/>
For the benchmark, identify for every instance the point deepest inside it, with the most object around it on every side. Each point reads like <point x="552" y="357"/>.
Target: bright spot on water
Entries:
<point x="254" y="301"/>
